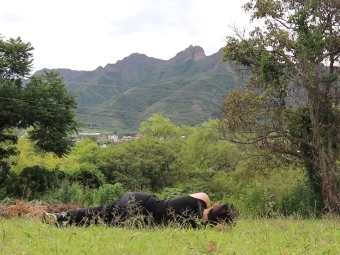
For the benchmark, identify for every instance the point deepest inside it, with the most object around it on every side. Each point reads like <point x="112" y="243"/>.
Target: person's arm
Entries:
<point x="202" y="196"/>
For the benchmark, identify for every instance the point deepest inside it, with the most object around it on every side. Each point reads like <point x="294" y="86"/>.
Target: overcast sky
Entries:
<point x="82" y="34"/>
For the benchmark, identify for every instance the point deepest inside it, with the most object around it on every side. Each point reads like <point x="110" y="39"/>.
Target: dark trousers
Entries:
<point x="90" y="215"/>
<point x="128" y="205"/>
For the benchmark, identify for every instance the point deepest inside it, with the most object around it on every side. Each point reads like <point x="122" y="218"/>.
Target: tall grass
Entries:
<point x="265" y="236"/>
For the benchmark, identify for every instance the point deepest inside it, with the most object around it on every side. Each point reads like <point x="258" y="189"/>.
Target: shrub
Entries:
<point x="68" y="192"/>
<point x="109" y="192"/>
<point x="88" y="175"/>
<point x="34" y="181"/>
<point x="259" y="202"/>
<point x="168" y="193"/>
<point x="89" y="196"/>
<point x="302" y="201"/>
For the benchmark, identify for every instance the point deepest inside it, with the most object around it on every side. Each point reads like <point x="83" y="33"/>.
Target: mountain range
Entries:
<point x="188" y="89"/>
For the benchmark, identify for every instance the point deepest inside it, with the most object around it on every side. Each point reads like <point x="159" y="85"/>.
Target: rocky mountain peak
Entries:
<point x="191" y="53"/>
<point x="130" y="61"/>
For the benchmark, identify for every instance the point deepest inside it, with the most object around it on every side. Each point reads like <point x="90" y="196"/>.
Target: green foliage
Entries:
<point x="158" y="126"/>
<point x="50" y="113"/>
<point x="110" y="192"/>
<point x="29" y="157"/>
<point x="168" y="193"/>
<point x="3" y="193"/>
<point x="11" y="186"/>
<point x="260" y="202"/>
<point x="270" y="69"/>
<point x="68" y="192"/>
<point x="254" y="193"/>
<point x="4" y="173"/>
<point x="16" y="59"/>
<point x="74" y="192"/>
<point x="195" y="160"/>
<point x="205" y="156"/>
<point x="145" y="163"/>
<point x="302" y="201"/>
<point x="35" y="181"/>
<point x="291" y="68"/>
<point x="88" y="175"/>
<point x="42" y="103"/>
<point x="89" y="197"/>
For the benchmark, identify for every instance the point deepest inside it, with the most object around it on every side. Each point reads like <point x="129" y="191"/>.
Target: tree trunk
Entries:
<point x="330" y="194"/>
<point x="330" y="180"/>
<point x="326" y="151"/>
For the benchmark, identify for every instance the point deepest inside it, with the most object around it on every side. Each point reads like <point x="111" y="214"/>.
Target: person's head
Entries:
<point x="222" y="214"/>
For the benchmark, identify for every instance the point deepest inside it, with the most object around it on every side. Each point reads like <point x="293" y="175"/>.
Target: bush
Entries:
<point x="89" y="196"/>
<point x="68" y="192"/>
<point x="302" y="201"/>
<point x="3" y="193"/>
<point x="259" y="202"/>
<point x="34" y="181"/>
<point x="110" y="192"/>
<point x="168" y="193"/>
<point x="88" y="176"/>
<point x="10" y="187"/>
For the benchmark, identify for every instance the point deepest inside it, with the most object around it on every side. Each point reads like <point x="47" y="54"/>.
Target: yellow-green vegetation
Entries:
<point x="265" y="236"/>
<point x="168" y="161"/>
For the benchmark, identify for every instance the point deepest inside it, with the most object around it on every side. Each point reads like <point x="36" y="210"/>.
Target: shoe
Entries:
<point x="49" y="218"/>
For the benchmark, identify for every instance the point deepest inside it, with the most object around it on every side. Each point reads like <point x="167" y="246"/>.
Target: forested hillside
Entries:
<point x="188" y="89"/>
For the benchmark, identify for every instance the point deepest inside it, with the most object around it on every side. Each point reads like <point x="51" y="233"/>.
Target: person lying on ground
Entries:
<point x="189" y="210"/>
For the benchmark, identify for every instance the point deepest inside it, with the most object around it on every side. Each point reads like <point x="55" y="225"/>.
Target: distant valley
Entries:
<point x="188" y="89"/>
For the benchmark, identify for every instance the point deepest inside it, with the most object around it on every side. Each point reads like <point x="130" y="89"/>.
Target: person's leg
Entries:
<point x="50" y="218"/>
<point x="81" y="216"/>
<point x="129" y="207"/>
<point x="84" y="216"/>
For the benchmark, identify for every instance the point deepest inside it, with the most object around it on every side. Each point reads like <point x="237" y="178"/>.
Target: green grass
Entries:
<point x="264" y="236"/>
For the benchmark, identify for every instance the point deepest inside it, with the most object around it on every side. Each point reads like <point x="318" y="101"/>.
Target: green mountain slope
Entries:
<point x="188" y="89"/>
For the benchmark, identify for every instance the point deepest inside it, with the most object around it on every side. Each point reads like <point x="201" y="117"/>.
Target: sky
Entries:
<point x="85" y="34"/>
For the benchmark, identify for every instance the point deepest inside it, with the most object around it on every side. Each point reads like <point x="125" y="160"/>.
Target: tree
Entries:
<point x="206" y="153"/>
<point x="290" y="105"/>
<point x="146" y="163"/>
<point x="158" y="126"/>
<point x="39" y="104"/>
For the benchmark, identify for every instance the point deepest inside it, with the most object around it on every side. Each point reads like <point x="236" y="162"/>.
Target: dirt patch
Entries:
<point x="23" y="209"/>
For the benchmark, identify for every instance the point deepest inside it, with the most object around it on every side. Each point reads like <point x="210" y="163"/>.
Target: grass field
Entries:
<point x="263" y="236"/>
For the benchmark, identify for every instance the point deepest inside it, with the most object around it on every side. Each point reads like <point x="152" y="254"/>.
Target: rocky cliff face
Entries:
<point x="137" y="63"/>
<point x="133" y="61"/>
<point x="135" y="66"/>
<point x="191" y="53"/>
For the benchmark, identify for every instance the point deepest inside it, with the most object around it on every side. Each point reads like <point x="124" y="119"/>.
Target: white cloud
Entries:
<point x="82" y="35"/>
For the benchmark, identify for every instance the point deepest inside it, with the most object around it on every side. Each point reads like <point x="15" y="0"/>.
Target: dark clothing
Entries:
<point x="182" y="210"/>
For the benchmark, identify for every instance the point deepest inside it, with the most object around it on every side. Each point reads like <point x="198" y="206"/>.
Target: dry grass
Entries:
<point x="23" y="209"/>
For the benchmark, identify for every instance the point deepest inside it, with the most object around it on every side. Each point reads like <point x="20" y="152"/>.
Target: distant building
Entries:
<point x="127" y="137"/>
<point x="137" y="136"/>
<point x="113" y="137"/>
<point x="95" y="135"/>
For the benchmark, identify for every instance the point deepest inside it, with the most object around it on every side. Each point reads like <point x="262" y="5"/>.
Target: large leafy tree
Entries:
<point x="290" y="106"/>
<point x="206" y="154"/>
<point x="39" y="104"/>
<point x="147" y="163"/>
<point x="159" y="127"/>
